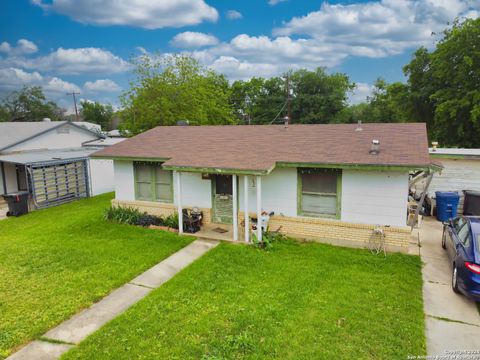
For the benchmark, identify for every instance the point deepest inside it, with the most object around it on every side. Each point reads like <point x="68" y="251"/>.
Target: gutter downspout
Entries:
<point x="4" y="180"/>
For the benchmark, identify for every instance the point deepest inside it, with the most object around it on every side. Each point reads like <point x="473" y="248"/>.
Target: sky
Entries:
<point x="85" y="46"/>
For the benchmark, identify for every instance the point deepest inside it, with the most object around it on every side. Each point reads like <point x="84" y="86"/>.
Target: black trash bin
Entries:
<point x="471" y="204"/>
<point x="17" y="203"/>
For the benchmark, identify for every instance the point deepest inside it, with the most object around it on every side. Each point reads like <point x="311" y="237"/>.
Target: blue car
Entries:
<point x="461" y="240"/>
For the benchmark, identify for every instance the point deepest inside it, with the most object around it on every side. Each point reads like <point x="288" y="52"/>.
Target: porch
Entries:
<point x="222" y="225"/>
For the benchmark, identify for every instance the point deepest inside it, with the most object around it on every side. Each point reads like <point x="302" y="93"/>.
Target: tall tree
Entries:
<point x="29" y="104"/>
<point x="175" y="88"/>
<point x="316" y="97"/>
<point x="97" y="113"/>
<point x="445" y="85"/>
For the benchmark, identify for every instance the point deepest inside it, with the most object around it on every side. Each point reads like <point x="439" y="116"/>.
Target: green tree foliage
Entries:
<point x="316" y="97"/>
<point x="97" y="113"/>
<point x="445" y="85"/>
<point x="173" y="88"/>
<point x="29" y="104"/>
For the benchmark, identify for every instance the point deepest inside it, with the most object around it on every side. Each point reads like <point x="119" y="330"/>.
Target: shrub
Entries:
<point x="171" y="221"/>
<point x="123" y="215"/>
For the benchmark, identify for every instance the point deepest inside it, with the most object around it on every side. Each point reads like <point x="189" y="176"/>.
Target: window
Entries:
<point x="319" y="190"/>
<point x="152" y="183"/>
<point x="464" y="235"/>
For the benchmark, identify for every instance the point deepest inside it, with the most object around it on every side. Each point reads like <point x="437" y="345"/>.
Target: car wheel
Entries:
<point x="444" y="240"/>
<point x="454" y="279"/>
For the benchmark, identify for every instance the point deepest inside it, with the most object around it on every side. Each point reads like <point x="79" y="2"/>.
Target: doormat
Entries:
<point x="220" y="230"/>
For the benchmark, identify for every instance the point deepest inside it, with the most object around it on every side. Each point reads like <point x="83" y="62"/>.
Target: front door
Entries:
<point x="222" y="199"/>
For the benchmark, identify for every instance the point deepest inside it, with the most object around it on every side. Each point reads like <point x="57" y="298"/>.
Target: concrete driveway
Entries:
<point x="452" y="321"/>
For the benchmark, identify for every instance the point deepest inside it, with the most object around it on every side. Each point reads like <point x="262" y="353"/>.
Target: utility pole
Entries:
<point x="289" y="112"/>
<point x="75" y="103"/>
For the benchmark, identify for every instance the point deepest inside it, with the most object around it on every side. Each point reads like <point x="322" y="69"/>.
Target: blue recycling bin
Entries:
<point x="447" y="204"/>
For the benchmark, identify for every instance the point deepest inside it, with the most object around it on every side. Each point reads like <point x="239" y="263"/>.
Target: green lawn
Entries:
<point x="57" y="261"/>
<point x="298" y="301"/>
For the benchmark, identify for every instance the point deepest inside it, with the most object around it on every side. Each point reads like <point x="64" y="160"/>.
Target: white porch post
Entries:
<point x="234" y="205"/>
<point x="245" y="199"/>
<point x="179" y="201"/>
<point x="259" y="208"/>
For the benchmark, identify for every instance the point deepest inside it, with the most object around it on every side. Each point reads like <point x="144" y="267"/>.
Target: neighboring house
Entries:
<point x="461" y="171"/>
<point x="325" y="182"/>
<point x="48" y="160"/>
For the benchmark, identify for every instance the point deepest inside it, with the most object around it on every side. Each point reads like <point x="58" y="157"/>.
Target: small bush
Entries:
<point x="123" y="215"/>
<point x="171" y="221"/>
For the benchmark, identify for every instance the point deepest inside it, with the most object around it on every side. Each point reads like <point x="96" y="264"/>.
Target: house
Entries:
<point x="336" y="183"/>
<point x="49" y="160"/>
<point x="461" y="171"/>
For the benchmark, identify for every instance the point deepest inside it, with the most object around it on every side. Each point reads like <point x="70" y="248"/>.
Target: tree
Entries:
<point x="97" y="113"/>
<point x="29" y="104"/>
<point x="445" y="85"/>
<point x="175" y="88"/>
<point x="316" y="97"/>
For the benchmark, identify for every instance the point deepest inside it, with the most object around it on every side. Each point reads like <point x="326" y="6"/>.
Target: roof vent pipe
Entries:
<point x="375" y="149"/>
<point x="359" y="126"/>
<point x="286" y="119"/>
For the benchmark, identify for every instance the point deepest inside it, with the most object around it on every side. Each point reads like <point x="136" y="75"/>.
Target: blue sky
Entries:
<point x="85" y="45"/>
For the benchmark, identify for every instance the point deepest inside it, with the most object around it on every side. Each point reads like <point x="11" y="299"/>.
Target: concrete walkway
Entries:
<point x="452" y="321"/>
<point x="69" y="333"/>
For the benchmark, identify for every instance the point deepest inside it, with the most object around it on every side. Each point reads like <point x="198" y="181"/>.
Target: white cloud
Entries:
<point x="275" y="2"/>
<point x="234" y="15"/>
<point x="58" y="85"/>
<point x="14" y="78"/>
<point x="335" y="32"/>
<point x="139" y="13"/>
<point x="101" y="85"/>
<point x="377" y="29"/>
<point x="190" y="39"/>
<point x="360" y="93"/>
<point x="23" y="47"/>
<point x="74" y="62"/>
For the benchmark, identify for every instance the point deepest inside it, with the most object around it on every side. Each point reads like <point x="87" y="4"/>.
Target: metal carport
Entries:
<point x="54" y="176"/>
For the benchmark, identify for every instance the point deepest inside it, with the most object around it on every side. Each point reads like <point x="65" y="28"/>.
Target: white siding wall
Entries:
<point x="10" y="178"/>
<point x="367" y="197"/>
<point x="374" y="197"/>
<point x="279" y="192"/>
<point x="195" y="191"/>
<point x="457" y="175"/>
<point x="53" y="140"/>
<point x="124" y="180"/>
<point x="1" y="183"/>
<point x="101" y="176"/>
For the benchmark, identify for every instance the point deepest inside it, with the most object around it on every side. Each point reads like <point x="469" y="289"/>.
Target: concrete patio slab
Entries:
<point x="90" y="320"/>
<point x="41" y="350"/>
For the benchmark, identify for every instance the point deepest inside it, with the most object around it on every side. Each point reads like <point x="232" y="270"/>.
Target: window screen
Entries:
<point x="144" y="182"/>
<point x="163" y="185"/>
<point x="152" y="182"/>
<point x="319" y="192"/>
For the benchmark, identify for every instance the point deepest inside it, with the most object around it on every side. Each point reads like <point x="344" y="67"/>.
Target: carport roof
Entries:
<point x="46" y="156"/>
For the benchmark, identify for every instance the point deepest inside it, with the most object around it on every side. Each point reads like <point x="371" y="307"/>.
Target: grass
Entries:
<point x="298" y="301"/>
<point x="57" y="261"/>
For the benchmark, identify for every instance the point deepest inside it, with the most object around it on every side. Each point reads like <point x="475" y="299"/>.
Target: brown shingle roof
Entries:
<point x="260" y="147"/>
